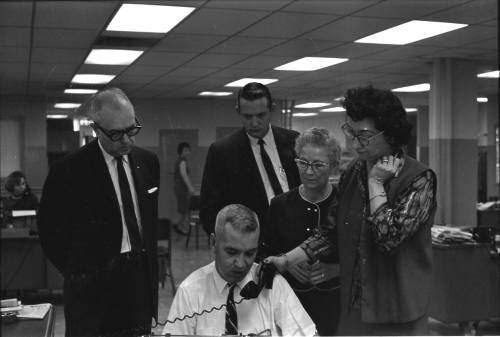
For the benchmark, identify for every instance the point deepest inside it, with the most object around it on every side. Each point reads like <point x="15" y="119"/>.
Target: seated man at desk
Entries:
<point x="275" y="311"/>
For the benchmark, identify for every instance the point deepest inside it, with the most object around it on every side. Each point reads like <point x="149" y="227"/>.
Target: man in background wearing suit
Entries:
<point x="251" y="165"/>
<point x="98" y="223"/>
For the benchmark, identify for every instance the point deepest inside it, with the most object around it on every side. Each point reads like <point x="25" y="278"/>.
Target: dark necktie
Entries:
<point x="231" y="316"/>
<point x="268" y="165"/>
<point x="128" y="207"/>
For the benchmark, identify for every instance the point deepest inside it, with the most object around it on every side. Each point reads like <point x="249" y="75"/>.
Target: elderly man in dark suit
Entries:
<point x="252" y="165"/>
<point x="98" y="222"/>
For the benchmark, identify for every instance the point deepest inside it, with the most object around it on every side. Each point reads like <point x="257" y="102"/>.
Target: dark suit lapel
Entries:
<point x="140" y="184"/>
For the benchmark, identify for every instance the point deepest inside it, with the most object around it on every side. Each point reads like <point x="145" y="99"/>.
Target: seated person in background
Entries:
<point x="235" y="243"/>
<point x="295" y="214"/>
<point x="20" y="198"/>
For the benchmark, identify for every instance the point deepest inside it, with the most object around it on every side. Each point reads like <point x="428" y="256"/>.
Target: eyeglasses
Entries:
<point x="117" y="135"/>
<point x="362" y="140"/>
<point x="315" y="166"/>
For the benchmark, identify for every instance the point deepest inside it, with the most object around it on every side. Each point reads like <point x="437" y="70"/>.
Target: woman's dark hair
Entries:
<point x="253" y="91"/>
<point x="14" y="179"/>
<point x="383" y="108"/>
<point x="182" y="146"/>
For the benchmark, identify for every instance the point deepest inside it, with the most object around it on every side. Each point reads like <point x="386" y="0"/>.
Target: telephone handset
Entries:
<point x="265" y="279"/>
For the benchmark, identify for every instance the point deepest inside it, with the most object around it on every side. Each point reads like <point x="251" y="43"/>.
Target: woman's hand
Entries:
<point x="321" y="272"/>
<point x="385" y="168"/>
<point x="300" y="272"/>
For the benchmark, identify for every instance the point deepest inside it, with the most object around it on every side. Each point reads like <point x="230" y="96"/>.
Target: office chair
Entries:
<point x="164" y="253"/>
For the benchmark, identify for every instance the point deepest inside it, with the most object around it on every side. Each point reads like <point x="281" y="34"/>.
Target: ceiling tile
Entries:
<point x="405" y="67"/>
<point x="407" y="9"/>
<point x="139" y="70"/>
<point x="451" y="52"/>
<point x="354" y="50"/>
<point x="301" y="47"/>
<point x="192" y="72"/>
<point x="245" y="45"/>
<point x="14" y="67"/>
<point x="470" y="12"/>
<point x="53" y="68"/>
<point x="158" y="58"/>
<point x="263" y="62"/>
<point x="215" y="60"/>
<point x="14" y="54"/>
<point x="74" y="14"/>
<point x="59" y="55"/>
<point x="350" y="28"/>
<point x="287" y="25"/>
<point x="16" y="13"/>
<point x="65" y="38"/>
<point x="267" y="5"/>
<point x="14" y="36"/>
<point x="460" y="37"/>
<point x="484" y="44"/>
<point x="218" y="21"/>
<point x="187" y="43"/>
<point x="339" y="7"/>
<point x="404" y="52"/>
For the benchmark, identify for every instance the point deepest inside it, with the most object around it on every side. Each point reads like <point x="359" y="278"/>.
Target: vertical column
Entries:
<point x="453" y="140"/>
<point x="491" y="124"/>
<point x="423" y="134"/>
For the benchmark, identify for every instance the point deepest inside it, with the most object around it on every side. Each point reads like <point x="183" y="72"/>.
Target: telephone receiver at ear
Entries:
<point x="265" y="279"/>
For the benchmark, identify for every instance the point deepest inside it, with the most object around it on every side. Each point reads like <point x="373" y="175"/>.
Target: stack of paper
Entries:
<point x="10" y="305"/>
<point x="35" y="311"/>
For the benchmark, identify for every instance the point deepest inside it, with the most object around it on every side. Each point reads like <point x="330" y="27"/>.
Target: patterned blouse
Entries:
<point x="390" y="224"/>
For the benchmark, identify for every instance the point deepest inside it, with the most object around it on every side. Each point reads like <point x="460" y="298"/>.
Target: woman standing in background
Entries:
<point x="183" y="187"/>
<point x="21" y="197"/>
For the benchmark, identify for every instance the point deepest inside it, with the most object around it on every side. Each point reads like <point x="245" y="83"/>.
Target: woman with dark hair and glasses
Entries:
<point x="383" y="218"/>
<point x="183" y="187"/>
<point x="293" y="216"/>
<point x="20" y="196"/>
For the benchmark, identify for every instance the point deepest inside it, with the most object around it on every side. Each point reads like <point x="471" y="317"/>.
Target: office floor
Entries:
<point x="186" y="260"/>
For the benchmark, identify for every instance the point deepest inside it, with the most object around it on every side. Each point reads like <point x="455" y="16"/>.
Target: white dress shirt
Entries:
<point x="272" y="151"/>
<point x="277" y="309"/>
<point x="113" y="171"/>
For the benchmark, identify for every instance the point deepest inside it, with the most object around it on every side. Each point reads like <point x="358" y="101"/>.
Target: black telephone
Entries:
<point x="265" y="279"/>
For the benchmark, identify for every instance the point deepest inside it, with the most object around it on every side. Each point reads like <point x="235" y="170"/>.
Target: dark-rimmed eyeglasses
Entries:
<point x="352" y="135"/>
<point x="315" y="166"/>
<point x="117" y="135"/>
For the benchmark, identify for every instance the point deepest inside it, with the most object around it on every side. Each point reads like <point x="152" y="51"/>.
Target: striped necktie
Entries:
<point x="231" y="316"/>
<point x="268" y="166"/>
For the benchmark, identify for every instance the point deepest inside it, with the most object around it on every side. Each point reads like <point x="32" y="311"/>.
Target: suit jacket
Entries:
<point x="81" y="228"/>
<point x="231" y="174"/>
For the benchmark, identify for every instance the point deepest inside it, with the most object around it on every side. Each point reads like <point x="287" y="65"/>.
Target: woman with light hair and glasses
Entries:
<point x="383" y="218"/>
<point x="292" y="218"/>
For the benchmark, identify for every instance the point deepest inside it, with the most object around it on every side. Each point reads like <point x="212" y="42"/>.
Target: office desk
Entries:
<point x="32" y="327"/>
<point x="466" y="283"/>
<point x="24" y="265"/>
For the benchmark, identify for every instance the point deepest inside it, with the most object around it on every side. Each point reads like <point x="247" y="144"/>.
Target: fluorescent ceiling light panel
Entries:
<point x="414" y="88"/>
<point x="311" y="105"/>
<point x="148" y="18"/>
<point x="66" y="105"/>
<point x="215" y="93"/>
<point x="80" y="91"/>
<point x="56" y="116"/>
<point x="92" y="78"/>
<point x="482" y="99"/>
<point x="411" y="109"/>
<point x="310" y="63"/>
<point x="304" y="114"/>
<point x="489" y="74"/>
<point x="334" y="109"/>
<point x="120" y="57"/>
<point x="411" y="31"/>
<point x="244" y="81"/>
<point x="338" y="99"/>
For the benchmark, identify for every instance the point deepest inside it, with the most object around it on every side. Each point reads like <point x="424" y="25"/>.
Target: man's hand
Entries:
<point x="280" y="262"/>
<point x="321" y="272"/>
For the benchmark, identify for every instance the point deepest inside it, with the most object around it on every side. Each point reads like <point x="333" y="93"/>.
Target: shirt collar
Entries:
<point x="268" y="138"/>
<point x="109" y="158"/>
<point x="220" y="283"/>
